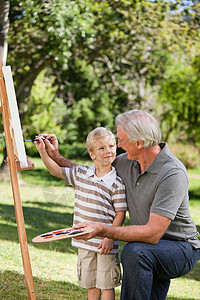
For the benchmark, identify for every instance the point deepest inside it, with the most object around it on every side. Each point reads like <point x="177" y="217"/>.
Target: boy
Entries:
<point x="100" y="197"/>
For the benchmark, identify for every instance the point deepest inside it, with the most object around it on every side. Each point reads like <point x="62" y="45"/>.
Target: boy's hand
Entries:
<point x="106" y="246"/>
<point x="51" y="143"/>
<point x="40" y="145"/>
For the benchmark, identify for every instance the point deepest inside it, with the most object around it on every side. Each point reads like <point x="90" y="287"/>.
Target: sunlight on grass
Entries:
<point x="53" y="265"/>
<point x="47" y="206"/>
<point x="194" y="171"/>
<point x="182" y="288"/>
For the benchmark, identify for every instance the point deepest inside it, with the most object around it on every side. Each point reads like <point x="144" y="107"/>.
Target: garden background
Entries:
<point x="76" y="65"/>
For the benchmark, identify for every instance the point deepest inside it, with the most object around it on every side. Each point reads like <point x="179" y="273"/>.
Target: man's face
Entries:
<point x="124" y="142"/>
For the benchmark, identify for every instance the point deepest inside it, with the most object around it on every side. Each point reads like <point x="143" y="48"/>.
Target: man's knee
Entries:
<point x="131" y="253"/>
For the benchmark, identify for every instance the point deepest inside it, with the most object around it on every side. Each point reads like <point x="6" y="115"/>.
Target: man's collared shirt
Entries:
<point x="161" y="189"/>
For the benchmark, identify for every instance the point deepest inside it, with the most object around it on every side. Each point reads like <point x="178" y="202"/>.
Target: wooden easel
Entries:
<point x="14" y="166"/>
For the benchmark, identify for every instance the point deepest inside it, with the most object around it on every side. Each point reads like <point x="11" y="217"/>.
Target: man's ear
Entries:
<point x="140" y="144"/>
<point x="91" y="155"/>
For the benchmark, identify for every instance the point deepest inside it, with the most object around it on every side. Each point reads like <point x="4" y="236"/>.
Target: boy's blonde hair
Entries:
<point x="95" y="135"/>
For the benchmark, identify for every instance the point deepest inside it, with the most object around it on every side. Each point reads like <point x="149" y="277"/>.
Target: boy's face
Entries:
<point x="104" y="151"/>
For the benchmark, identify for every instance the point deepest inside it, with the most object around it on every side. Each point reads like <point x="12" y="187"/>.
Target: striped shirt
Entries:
<point x="96" y="199"/>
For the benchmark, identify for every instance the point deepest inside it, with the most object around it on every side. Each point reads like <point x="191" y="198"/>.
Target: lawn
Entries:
<point x="47" y="205"/>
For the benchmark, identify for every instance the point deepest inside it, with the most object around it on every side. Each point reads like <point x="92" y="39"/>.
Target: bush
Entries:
<point x="188" y="154"/>
<point x="77" y="151"/>
<point x="31" y="150"/>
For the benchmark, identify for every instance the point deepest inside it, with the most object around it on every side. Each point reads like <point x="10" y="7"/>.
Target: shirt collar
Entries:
<point x="108" y="179"/>
<point x="90" y="171"/>
<point x="160" y="159"/>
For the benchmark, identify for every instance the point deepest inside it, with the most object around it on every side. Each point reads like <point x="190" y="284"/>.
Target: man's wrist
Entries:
<point x="55" y="155"/>
<point x="104" y="231"/>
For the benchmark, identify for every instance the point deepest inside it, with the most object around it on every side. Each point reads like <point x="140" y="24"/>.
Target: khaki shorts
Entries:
<point x="98" y="271"/>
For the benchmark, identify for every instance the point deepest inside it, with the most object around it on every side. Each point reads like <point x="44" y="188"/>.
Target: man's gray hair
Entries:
<point x="140" y="125"/>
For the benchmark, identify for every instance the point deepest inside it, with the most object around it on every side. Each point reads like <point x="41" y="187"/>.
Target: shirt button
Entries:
<point x="138" y="183"/>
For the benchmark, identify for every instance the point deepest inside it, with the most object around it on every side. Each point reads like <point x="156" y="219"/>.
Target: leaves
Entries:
<point x="179" y="97"/>
<point x="105" y="56"/>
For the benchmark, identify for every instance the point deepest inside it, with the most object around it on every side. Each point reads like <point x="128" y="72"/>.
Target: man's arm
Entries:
<point x="51" y="144"/>
<point x="151" y="233"/>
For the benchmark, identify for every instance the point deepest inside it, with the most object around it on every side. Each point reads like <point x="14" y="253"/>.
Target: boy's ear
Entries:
<point x="91" y="155"/>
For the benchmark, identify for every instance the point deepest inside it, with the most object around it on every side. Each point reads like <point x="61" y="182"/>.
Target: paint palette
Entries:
<point x="60" y="234"/>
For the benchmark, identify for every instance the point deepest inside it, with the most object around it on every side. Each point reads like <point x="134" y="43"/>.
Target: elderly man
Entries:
<point x="162" y="238"/>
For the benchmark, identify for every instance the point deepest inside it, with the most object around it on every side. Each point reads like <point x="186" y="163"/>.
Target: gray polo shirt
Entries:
<point x="161" y="189"/>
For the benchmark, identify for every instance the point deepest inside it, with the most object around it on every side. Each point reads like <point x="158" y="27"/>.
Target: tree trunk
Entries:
<point x="4" y="28"/>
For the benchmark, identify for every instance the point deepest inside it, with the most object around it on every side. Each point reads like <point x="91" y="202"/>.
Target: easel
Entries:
<point x="14" y="166"/>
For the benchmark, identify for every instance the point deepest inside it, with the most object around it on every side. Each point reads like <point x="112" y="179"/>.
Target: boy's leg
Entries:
<point x="147" y="268"/>
<point x="94" y="294"/>
<point x="108" y="294"/>
<point x="108" y="272"/>
<point x="86" y="269"/>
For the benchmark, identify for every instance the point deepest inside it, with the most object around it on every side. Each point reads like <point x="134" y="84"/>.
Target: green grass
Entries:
<point x="48" y="206"/>
<point x="194" y="171"/>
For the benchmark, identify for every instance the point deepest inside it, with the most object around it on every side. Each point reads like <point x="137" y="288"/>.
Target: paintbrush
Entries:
<point x="36" y="140"/>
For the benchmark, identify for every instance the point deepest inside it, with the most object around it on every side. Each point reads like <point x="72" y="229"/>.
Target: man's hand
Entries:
<point x="51" y="144"/>
<point x="106" y="246"/>
<point x="94" y="229"/>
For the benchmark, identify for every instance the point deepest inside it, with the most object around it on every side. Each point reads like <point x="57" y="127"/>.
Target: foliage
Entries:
<point x="4" y="28"/>
<point x="41" y="34"/>
<point x="179" y="101"/>
<point x="43" y="110"/>
<point x="105" y="56"/>
<point x="188" y="154"/>
<point x="77" y="151"/>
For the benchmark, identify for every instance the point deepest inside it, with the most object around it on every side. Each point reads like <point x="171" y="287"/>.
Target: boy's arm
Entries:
<point x="50" y="164"/>
<point x="119" y="218"/>
<point x="107" y="244"/>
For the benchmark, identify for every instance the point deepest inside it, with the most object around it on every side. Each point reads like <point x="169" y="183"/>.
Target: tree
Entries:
<point x="104" y="55"/>
<point x="135" y="44"/>
<point x="180" y="102"/>
<point x="4" y="27"/>
<point x="41" y="35"/>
